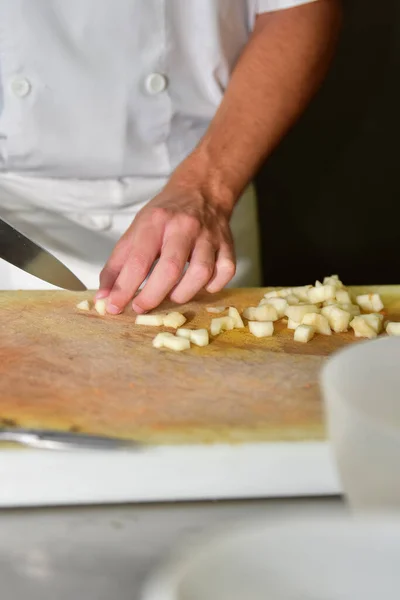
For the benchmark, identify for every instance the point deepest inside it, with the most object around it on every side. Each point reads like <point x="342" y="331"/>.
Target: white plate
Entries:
<point x="339" y="559"/>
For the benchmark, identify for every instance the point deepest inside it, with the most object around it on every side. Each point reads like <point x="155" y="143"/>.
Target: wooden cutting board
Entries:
<point x="65" y="369"/>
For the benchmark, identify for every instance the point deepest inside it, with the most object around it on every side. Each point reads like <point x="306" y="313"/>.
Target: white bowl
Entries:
<point x="339" y="559"/>
<point x="361" y="388"/>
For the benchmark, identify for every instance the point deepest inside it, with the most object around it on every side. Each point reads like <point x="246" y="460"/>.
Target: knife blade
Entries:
<point x="25" y="254"/>
<point x="46" y="439"/>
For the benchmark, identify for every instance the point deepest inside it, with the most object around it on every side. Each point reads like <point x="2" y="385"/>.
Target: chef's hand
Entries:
<point x="178" y="226"/>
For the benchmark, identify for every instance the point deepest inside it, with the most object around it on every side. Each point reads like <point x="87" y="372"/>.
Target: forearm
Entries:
<point x="279" y="71"/>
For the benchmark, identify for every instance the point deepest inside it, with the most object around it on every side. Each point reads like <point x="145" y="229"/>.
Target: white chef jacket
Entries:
<point x="100" y="100"/>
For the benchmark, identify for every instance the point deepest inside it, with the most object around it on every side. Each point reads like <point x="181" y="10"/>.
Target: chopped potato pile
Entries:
<point x="321" y="309"/>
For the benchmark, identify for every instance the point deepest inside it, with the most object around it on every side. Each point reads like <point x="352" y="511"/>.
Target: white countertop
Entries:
<point x="107" y="553"/>
<point x="167" y="474"/>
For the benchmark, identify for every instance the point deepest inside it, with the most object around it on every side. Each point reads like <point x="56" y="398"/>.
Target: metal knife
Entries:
<point x="61" y="440"/>
<point x="23" y="253"/>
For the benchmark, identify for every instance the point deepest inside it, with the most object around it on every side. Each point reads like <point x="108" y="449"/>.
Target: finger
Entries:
<point x="113" y="266"/>
<point x="199" y="273"/>
<point x="143" y="252"/>
<point x="167" y="272"/>
<point x="225" y="269"/>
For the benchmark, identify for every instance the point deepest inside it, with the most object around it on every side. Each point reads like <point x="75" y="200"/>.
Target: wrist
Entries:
<point x="199" y="173"/>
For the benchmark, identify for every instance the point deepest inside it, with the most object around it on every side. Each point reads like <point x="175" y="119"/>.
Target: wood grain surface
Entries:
<point x="65" y="369"/>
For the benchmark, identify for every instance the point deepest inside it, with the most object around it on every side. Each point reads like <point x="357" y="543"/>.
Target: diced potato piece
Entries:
<point x="292" y="299"/>
<point x="264" y="301"/>
<point x="100" y="306"/>
<point x="304" y="333"/>
<point x="222" y="324"/>
<point x="338" y="318"/>
<point x="343" y="297"/>
<point x="330" y="303"/>
<point x="280" y="305"/>
<point x="283" y="293"/>
<point x="174" y="320"/>
<point x="362" y="328"/>
<point x="353" y="309"/>
<point x="318" y="322"/>
<point x="200" y="337"/>
<point x="374" y="320"/>
<point x="265" y="312"/>
<point x="393" y="328"/>
<point x="184" y="333"/>
<point x="370" y="302"/>
<point x="330" y="291"/>
<point x="250" y="313"/>
<point x="296" y="313"/>
<point x="316" y="295"/>
<point x="216" y="310"/>
<point x="292" y="324"/>
<point x="333" y="280"/>
<point x="150" y="320"/>
<point x="261" y="328"/>
<point x="286" y="292"/>
<point x="326" y="310"/>
<point x="177" y="344"/>
<point x="272" y="294"/>
<point x="234" y="314"/>
<point x="158" y="341"/>
<point x="318" y="284"/>
<point x="321" y="294"/>
<point x="84" y="305"/>
<point x="302" y="292"/>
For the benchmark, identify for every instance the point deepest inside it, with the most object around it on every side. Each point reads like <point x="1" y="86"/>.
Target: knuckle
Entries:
<point x="139" y="263"/>
<point x="228" y="267"/>
<point x="158" y="215"/>
<point x="172" y="267"/>
<point x="190" y="223"/>
<point x="203" y="271"/>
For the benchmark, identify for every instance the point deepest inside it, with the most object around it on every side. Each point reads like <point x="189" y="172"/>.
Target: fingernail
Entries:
<point x="101" y="294"/>
<point x="113" y="310"/>
<point x="175" y="299"/>
<point x="137" y="309"/>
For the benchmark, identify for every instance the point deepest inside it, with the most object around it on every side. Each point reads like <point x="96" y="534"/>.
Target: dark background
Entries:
<point x="329" y="197"/>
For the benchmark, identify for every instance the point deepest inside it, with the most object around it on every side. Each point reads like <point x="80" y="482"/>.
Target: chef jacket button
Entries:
<point x="20" y="87"/>
<point x="92" y="222"/>
<point x="101" y="222"/>
<point x="156" y="83"/>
